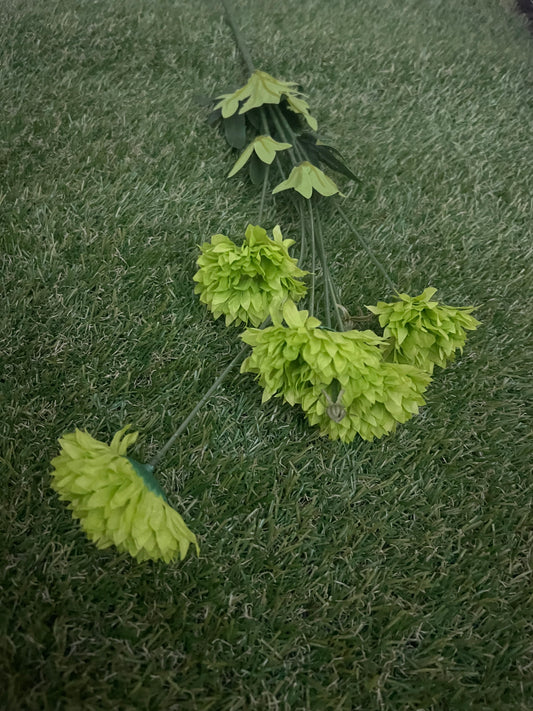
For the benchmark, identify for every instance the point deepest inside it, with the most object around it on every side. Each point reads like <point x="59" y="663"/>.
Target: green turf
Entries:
<point x="392" y="575"/>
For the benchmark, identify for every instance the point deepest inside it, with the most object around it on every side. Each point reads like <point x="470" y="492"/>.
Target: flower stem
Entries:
<point x="313" y="261"/>
<point x="264" y="125"/>
<point x="322" y="256"/>
<point x="263" y="194"/>
<point x="291" y="136"/>
<point x="288" y="136"/>
<point x="288" y="133"/>
<point x="366" y="246"/>
<point x="238" y="37"/>
<point x="303" y="241"/>
<point x="329" y="286"/>
<point x="205" y="397"/>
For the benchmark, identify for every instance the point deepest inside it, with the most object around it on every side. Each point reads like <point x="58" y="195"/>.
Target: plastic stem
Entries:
<point x="365" y="245"/>
<point x="238" y="37"/>
<point x="205" y="397"/>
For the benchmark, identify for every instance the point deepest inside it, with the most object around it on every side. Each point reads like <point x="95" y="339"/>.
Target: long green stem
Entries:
<point x="313" y="261"/>
<point x="303" y="240"/>
<point x="264" y="126"/>
<point x="263" y="194"/>
<point x="329" y="287"/>
<point x="291" y="136"/>
<point x="366" y="246"/>
<point x="317" y="240"/>
<point x="201" y="402"/>
<point x="298" y="203"/>
<point x="284" y="135"/>
<point x="323" y="262"/>
<point x="288" y="133"/>
<point x="238" y="37"/>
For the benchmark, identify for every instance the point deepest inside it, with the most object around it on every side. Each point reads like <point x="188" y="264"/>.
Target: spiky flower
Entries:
<point x="422" y="332"/>
<point x="116" y="499"/>
<point x="338" y="378"/>
<point x="265" y="148"/>
<point x="304" y="178"/>
<point x="262" y="88"/>
<point x="249" y="282"/>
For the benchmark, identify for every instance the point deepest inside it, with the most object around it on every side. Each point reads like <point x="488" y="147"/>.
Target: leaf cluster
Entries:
<point x="242" y="120"/>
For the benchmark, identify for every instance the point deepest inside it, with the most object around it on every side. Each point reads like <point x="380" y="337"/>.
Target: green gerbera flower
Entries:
<point x="249" y="282"/>
<point x="304" y="178"/>
<point x="339" y="379"/>
<point x="117" y="500"/>
<point x="371" y="405"/>
<point x="422" y="332"/>
<point x="262" y="88"/>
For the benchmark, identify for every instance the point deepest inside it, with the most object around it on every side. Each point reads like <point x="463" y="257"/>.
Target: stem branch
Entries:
<point x="263" y="194"/>
<point x="205" y="397"/>
<point x="366" y="246"/>
<point x="329" y="287"/>
<point x="238" y="37"/>
<point x="313" y="261"/>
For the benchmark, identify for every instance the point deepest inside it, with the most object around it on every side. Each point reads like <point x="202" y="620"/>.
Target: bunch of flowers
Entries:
<point x="422" y="332"/>
<point x="117" y="500"/>
<point x="348" y="382"/>
<point x="338" y="378"/>
<point x="246" y="283"/>
<point x="269" y="108"/>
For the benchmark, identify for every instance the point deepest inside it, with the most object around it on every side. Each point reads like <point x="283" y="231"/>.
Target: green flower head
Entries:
<point x="261" y="88"/>
<point x="247" y="283"/>
<point x="339" y="379"/>
<point x="117" y="500"/>
<point x="306" y="177"/>
<point x="422" y="332"/>
<point x="265" y="148"/>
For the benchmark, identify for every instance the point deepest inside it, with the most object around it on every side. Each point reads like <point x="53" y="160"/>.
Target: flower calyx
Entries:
<point x="265" y="148"/>
<point x="262" y="88"/>
<point x="306" y="177"/>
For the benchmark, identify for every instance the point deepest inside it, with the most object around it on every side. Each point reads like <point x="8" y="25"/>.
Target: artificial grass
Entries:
<point x="385" y="575"/>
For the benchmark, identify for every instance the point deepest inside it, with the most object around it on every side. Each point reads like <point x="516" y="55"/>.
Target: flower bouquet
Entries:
<point x="299" y="342"/>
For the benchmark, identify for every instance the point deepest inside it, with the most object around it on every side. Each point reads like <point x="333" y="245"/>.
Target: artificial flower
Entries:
<point x="304" y="178"/>
<point x="247" y="283"/>
<point x="338" y="378"/>
<point x="262" y="88"/>
<point x="265" y="148"/>
<point x="116" y="499"/>
<point x="422" y="332"/>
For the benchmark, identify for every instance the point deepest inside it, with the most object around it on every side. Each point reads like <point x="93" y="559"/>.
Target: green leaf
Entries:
<point x="235" y="131"/>
<point x="258" y="170"/>
<point x="295" y="121"/>
<point x="241" y="161"/>
<point x="321" y="153"/>
<point x="254" y="117"/>
<point x="264" y="151"/>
